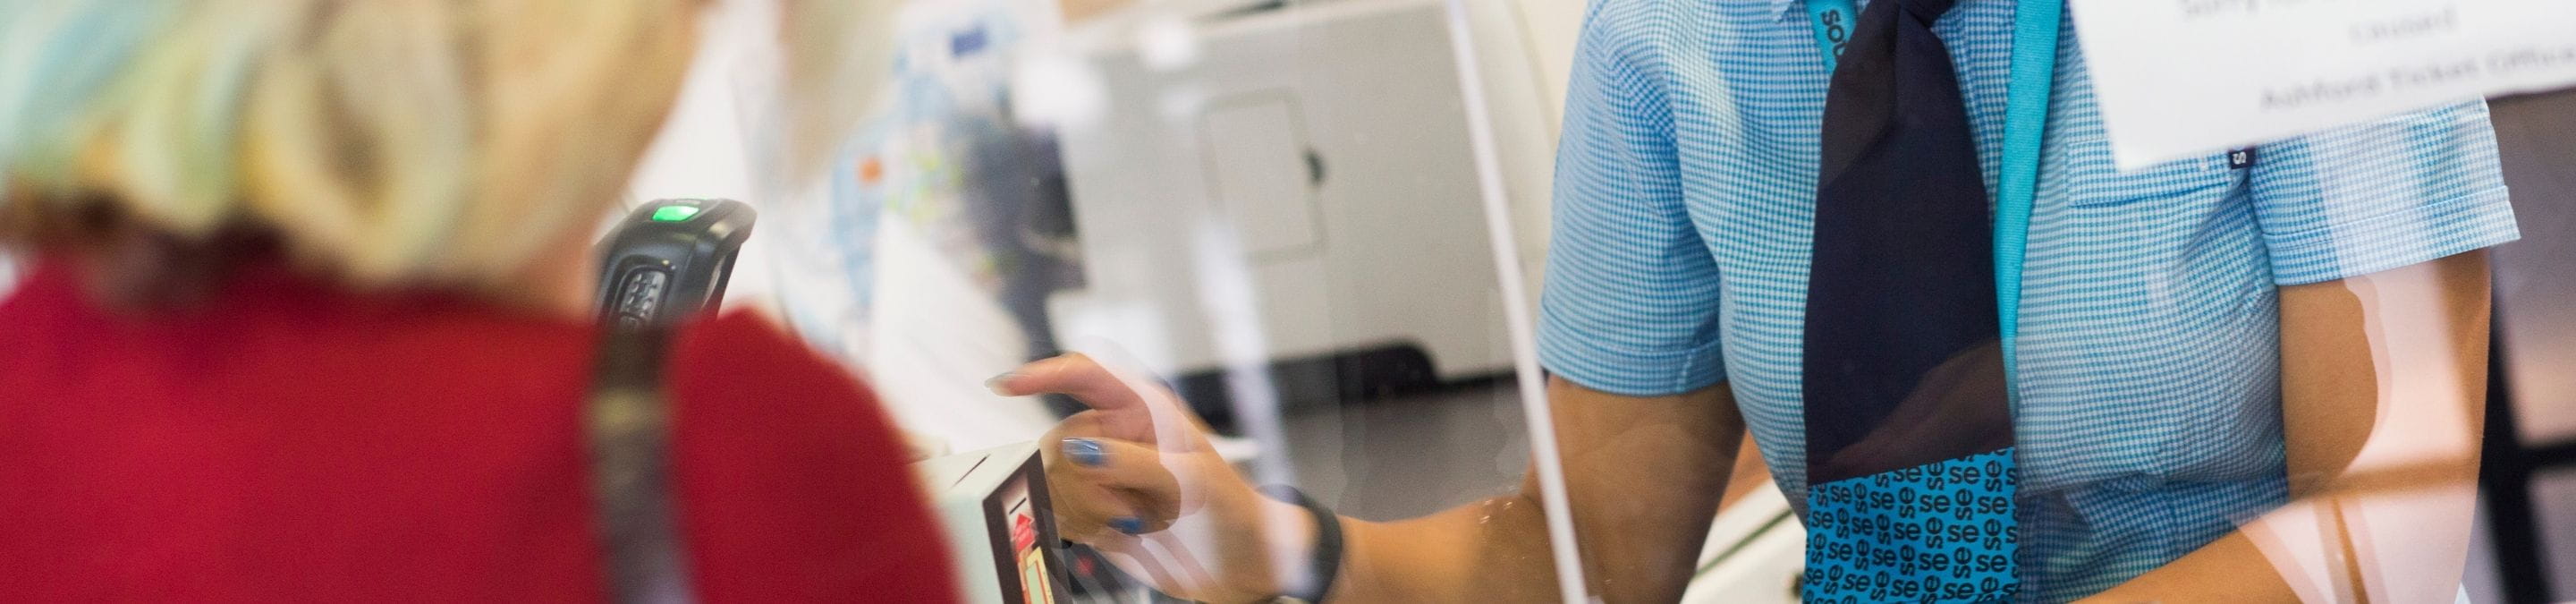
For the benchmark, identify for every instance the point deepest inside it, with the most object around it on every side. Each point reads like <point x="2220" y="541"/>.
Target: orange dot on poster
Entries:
<point x="871" y="170"/>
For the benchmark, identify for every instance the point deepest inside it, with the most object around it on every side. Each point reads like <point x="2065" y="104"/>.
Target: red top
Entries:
<point x="297" y="442"/>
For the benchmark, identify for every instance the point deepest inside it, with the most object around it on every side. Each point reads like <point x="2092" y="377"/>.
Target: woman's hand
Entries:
<point x="1135" y="478"/>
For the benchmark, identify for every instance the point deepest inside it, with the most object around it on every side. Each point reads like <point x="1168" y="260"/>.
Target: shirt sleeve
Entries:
<point x="1629" y="304"/>
<point x="2387" y="194"/>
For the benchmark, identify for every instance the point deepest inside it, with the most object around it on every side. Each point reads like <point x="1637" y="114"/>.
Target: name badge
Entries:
<point x="2182" y="78"/>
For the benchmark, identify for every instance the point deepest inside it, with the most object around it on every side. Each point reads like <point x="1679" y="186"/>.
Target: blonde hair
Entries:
<point x="380" y="141"/>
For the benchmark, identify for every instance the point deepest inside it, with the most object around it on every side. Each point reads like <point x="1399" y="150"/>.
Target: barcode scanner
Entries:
<point x="668" y="260"/>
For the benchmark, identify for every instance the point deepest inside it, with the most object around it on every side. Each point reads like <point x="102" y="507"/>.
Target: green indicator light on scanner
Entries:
<point x="674" y="213"/>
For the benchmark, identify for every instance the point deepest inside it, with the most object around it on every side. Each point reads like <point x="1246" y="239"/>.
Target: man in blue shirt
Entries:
<point x="2212" y="352"/>
<point x="2155" y="322"/>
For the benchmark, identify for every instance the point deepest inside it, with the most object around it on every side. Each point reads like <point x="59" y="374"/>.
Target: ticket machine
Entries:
<point x="1001" y="527"/>
<point x="670" y="259"/>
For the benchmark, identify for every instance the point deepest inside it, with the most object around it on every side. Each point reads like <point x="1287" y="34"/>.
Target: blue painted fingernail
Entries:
<point x="1085" y="451"/>
<point x="1127" y="524"/>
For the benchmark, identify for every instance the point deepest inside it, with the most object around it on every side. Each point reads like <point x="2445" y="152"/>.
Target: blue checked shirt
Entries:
<point x="2149" y="419"/>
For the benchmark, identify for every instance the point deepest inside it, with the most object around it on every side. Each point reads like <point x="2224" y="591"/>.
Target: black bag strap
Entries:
<point x="627" y="425"/>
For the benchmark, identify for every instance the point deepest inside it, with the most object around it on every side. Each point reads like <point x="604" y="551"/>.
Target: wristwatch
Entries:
<point x="1324" y="563"/>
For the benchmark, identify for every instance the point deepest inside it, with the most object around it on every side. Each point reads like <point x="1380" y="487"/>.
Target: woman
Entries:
<point x="306" y="316"/>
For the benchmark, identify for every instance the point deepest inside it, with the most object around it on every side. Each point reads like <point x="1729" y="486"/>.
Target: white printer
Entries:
<point x="1304" y="190"/>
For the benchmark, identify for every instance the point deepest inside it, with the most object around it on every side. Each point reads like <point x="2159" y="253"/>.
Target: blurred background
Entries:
<point x="1276" y="207"/>
<point x="1273" y="206"/>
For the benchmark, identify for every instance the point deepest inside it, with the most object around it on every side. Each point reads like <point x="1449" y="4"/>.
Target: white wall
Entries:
<point x="1550" y="28"/>
<point x="1527" y="51"/>
<point x="702" y="151"/>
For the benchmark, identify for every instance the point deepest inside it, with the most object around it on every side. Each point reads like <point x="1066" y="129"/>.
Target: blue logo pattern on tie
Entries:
<point x="1938" y="532"/>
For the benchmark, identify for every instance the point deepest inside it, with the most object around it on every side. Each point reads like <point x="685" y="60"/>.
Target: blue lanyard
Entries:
<point x="2034" y="77"/>
<point x="2034" y="80"/>
<point x="1833" y="20"/>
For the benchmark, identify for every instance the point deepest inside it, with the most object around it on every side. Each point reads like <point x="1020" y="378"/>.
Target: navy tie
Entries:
<point x="1908" y="417"/>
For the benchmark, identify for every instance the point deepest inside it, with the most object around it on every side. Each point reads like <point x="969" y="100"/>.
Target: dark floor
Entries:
<point x="2536" y="317"/>
<point x="1411" y="456"/>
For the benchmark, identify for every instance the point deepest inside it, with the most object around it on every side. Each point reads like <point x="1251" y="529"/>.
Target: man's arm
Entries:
<point x="1135" y="477"/>
<point x="2383" y="380"/>
<point x="1643" y="476"/>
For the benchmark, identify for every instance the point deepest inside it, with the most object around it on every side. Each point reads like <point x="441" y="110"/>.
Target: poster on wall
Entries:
<point x="927" y="251"/>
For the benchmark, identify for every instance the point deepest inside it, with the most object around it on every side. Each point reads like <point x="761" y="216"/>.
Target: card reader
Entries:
<point x="669" y="260"/>
<point x="1001" y="527"/>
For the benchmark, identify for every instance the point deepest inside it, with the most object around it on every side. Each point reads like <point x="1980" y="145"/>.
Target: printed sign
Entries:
<point x="2177" y="78"/>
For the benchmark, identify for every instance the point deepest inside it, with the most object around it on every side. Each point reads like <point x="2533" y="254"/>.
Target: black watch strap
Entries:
<point x="1325" y="562"/>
